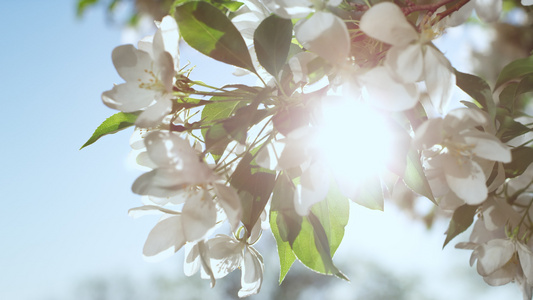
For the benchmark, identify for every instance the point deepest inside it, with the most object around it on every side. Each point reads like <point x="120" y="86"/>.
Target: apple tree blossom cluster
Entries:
<point x="225" y="165"/>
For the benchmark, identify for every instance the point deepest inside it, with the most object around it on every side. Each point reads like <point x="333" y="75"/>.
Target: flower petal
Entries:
<point x="382" y="91"/>
<point x="461" y="15"/>
<point x="439" y="77"/>
<point x="326" y="35"/>
<point x="165" y="234"/>
<point x="154" y="114"/>
<point x="230" y="202"/>
<point x="252" y="273"/>
<point x="428" y="134"/>
<point x="128" y="97"/>
<point x="494" y="255"/>
<point x="526" y="260"/>
<point x="225" y="254"/>
<point x="466" y="179"/>
<point x="487" y="146"/>
<point x="406" y="62"/>
<point x="167" y="149"/>
<point x="386" y="22"/>
<point x="132" y="64"/>
<point x="199" y="216"/>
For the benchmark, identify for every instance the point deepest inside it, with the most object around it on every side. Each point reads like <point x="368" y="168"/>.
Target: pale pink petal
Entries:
<point x="154" y="114"/>
<point x="464" y="118"/>
<point x="252" y="273"/>
<point x="382" y="91"/>
<point x="165" y="234"/>
<point x="501" y="276"/>
<point x="439" y="77"/>
<point x="230" y="202"/>
<point x="487" y="146"/>
<point x="386" y="22"/>
<point x="164" y="70"/>
<point x="132" y="65"/>
<point x="466" y="179"/>
<point x="128" y="97"/>
<point x="149" y="210"/>
<point x="460" y="16"/>
<point x="167" y="149"/>
<point x="429" y="134"/>
<point x="225" y="254"/>
<point x="160" y="183"/>
<point x="526" y="260"/>
<point x="191" y="264"/>
<point x="407" y="62"/>
<point x="326" y="35"/>
<point x="494" y="255"/>
<point x="171" y="37"/>
<point x="198" y="217"/>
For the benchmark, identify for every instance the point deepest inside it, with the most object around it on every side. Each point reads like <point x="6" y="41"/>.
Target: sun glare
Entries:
<point x="354" y="138"/>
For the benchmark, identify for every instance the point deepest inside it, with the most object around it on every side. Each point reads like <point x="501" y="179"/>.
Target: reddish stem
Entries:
<point x="452" y="9"/>
<point x="430" y="8"/>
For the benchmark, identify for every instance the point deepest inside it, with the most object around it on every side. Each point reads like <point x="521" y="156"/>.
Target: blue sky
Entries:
<point x="64" y="213"/>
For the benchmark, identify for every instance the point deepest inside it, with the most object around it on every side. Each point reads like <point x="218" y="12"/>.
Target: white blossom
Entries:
<point x="459" y="153"/>
<point x="487" y="10"/>
<point x="148" y="74"/>
<point x="411" y="57"/>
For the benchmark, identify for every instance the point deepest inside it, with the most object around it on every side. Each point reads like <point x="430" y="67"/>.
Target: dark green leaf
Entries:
<point x="111" y="125"/>
<point x="508" y="97"/>
<point x="272" y="40"/>
<point x="414" y="176"/>
<point x="509" y="128"/>
<point x="209" y="31"/>
<point x="462" y="219"/>
<point x="522" y="158"/>
<point x="515" y="70"/>
<point x="254" y="187"/>
<point x="479" y="90"/>
<point x="216" y="140"/>
<point x="288" y="221"/>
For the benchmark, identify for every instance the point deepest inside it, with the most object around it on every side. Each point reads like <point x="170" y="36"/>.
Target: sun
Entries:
<point x="354" y="138"/>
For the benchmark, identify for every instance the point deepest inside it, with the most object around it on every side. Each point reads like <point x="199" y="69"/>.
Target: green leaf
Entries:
<point x="515" y="70"/>
<point x="522" y="158"/>
<point x="272" y="40"/>
<point x="479" y="90"/>
<point x="415" y="178"/>
<point x="286" y="256"/>
<point x="370" y="194"/>
<point x="508" y="97"/>
<point x="208" y="30"/>
<point x="218" y="110"/>
<point x="321" y="234"/>
<point x="509" y="128"/>
<point x="83" y="5"/>
<point x="111" y="125"/>
<point x="216" y="140"/>
<point x="462" y="219"/>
